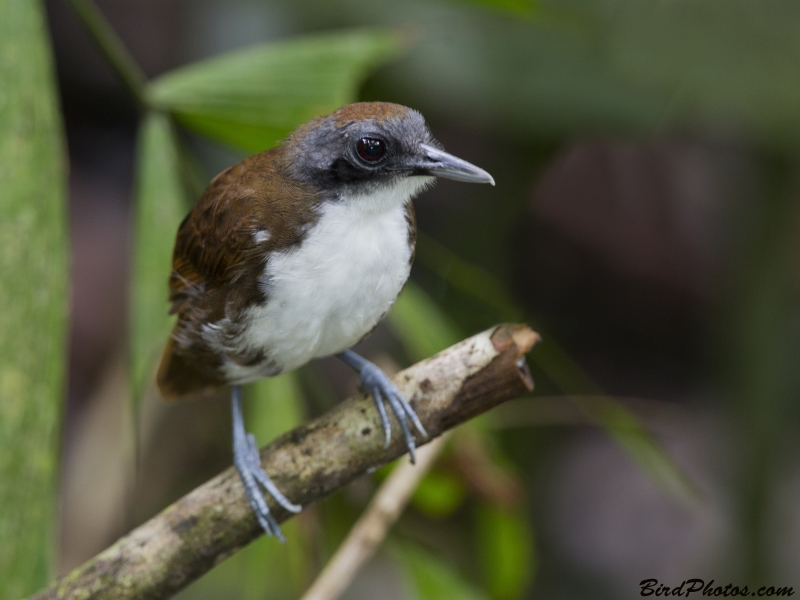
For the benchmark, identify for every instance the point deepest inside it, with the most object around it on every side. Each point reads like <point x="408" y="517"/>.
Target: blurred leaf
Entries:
<point x="478" y="459"/>
<point x="617" y="420"/>
<point x="628" y="67"/>
<point x="253" y="98"/>
<point x="33" y="297"/>
<point x="466" y="277"/>
<point x="439" y="494"/>
<point x="507" y="554"/>
<point x="422" y="327"/>
<point x="556" y="363"/>
<point x="519" y="7"/>
<point x="195" y="177"/>
<point x="717" y="63"/>
<point x="275" y="405"/>
<point x="760" y="344"/>
<point x="160" y="207"/>
<point x="113" y="49"/>
<point x="274" y="570"/>
<point x="263" y="569"/>
<point x="430" y="578"/>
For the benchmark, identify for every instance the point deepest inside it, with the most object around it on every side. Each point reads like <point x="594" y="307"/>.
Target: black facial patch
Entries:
<point x="342" y="171"/>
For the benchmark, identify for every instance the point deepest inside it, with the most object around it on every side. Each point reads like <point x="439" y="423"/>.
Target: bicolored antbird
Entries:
<point x="298" y="253"/>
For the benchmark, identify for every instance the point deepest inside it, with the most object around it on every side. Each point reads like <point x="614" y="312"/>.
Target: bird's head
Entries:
<point x="371" y="147"/>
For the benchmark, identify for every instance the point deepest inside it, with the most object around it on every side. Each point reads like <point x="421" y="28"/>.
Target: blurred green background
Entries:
<point x="645" y="221"/>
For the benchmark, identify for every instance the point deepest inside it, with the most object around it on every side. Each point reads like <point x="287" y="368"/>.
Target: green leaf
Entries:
<point x="33" y="297"/>
<point x="422" y="327"/>
<point x="439" y="494"/>
<point x="507" y="554"/>
<point x="430" y="578"/>
<point x="253" y="98"/>
<point x="160" y="207"/>
<point x="522" y="8"/>
<point x="275" y="405"/>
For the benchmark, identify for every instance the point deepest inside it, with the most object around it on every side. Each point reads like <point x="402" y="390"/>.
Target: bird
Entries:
<point x="298" y="253"/>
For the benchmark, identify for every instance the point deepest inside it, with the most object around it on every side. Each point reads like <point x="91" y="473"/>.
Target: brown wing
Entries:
<point x="219" y="257"/>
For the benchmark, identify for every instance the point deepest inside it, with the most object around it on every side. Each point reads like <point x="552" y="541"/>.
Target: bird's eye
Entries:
<point x="371" y="149"/>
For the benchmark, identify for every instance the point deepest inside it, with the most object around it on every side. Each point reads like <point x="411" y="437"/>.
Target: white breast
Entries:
<point x="330" y="291"/>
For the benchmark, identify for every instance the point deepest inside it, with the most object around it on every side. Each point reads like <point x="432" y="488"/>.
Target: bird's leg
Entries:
<point x="376" y="383"/>
<point x="248" y="462"/>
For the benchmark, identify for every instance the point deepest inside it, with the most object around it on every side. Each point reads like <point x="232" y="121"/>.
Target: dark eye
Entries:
<point x="371" y="149"/>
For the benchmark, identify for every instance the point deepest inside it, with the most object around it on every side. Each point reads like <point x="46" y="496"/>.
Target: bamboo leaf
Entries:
<point x="33" y="297"/>
<point x="160" y="206"/>
<point x="253" y="98"/>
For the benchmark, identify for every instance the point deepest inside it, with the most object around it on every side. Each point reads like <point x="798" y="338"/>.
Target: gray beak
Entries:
<point x="442" y="164"/>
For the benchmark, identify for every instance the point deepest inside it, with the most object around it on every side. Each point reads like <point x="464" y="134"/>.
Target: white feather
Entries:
<point x="261" y="235"/>
<point x="330" y="291"/>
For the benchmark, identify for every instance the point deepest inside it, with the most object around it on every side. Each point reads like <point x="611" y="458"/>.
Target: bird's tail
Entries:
<point x="177" y="377"/>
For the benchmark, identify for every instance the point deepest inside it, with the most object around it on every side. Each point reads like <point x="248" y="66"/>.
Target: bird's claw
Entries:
<point x="247" y="460"/>
<point x="376" y="383"/>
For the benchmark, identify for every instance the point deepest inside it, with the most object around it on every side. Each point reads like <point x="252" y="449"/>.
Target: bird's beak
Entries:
<point x="441" y="164"/>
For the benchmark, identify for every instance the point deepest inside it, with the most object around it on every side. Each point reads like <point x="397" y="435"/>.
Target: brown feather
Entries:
<point x="178" y="377"/>
<point x="217" y="262"/>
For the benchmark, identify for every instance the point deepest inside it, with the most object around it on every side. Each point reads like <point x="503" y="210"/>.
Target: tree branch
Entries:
<point x="308" y="463"/>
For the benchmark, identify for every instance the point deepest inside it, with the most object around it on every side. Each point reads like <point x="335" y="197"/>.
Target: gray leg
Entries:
<point x="248" y="463"/>
<point x="376" y="383"/>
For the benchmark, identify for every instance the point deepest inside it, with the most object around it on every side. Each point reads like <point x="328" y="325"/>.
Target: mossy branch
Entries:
<point x="308" y="463"/>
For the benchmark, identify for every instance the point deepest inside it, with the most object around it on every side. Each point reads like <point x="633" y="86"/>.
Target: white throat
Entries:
<point x="385" y="199"/>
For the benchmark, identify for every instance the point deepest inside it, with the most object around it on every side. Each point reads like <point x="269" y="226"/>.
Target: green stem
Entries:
<point x="111" y="45"/>
<point x="763" y="364"/>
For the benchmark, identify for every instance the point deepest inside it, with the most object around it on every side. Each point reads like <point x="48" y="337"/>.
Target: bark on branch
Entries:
<point x="191" y="536"/>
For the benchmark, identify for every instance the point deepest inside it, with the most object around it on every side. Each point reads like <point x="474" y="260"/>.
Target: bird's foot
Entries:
<point x="247" y="460"/>
<point x="376" y="383"/>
